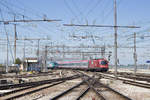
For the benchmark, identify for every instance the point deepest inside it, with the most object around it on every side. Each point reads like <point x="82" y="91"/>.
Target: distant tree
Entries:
<point x="18" y="61"/>
<point x="1" y="65"/>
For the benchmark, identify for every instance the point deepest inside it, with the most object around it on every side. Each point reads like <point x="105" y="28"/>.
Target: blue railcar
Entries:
<point x="52" y="65"/>
<point x="31" y="68"/>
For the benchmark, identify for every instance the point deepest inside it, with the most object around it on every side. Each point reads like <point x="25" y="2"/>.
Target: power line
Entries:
<point x="100" y="26"/>
<point x="107" y="15"/>
<point x="115" y="26"/>
<point x="7" y="42"/>
<point x="94" y="7"/>
<point x="44" y="26"/>
<point x="72" y="12"/>
<point x="103" y="8"/>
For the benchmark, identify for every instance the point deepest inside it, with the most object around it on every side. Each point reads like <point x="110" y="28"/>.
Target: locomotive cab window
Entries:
<point x="92" y="62"/>
<point x="103" y="62"/>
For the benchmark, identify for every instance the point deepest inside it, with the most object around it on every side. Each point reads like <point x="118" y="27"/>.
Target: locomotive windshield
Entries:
<point x="103" y="62"/>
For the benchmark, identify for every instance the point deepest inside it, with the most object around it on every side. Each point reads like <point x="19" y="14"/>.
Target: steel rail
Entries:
<point x="143" y="85"/>
<point x="138" y="76"/>
<point x="127" y="98"/>
<point x="131" y="82"/>
<point x="68" y="90"/>
<point x="105" y="86"/>
<point x="28" y="92"/>
<point x="22" y="89"/>
<point x="92" y="87"/>
<point x="83" y="93"/>
<point x="38" y="82"/>
<point x="25" y="76"/>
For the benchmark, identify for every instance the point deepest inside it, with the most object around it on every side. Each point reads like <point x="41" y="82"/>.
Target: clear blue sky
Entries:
<point x="130" y="12"/>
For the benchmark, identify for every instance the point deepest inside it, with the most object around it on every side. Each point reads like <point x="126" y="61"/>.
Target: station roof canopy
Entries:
<point x="32" y="60"/>
<point x="148" y="61"/>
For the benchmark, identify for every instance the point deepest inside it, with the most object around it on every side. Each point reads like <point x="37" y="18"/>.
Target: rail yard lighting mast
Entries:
<point x="115" y="36"/>
<point x="22" y="21"/>
<point x="115" y="26"/>
<point x="135" y="54"/>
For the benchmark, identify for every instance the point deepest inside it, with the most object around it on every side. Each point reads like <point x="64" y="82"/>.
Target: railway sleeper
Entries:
<point x="137" y="84"/>
<point x="17" y="95"/>
<point x="68" y="90"/>
<point x="39" y="82"/>
<point x="83" y="93"/>
<point x="107" y="87"/>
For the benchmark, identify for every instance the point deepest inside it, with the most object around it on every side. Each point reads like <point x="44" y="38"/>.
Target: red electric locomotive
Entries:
<point x="98" y="65"/>
<point x="90" y="65"/>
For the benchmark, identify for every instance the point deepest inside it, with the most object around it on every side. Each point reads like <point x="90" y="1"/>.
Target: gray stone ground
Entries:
<point x="134" y="92"/>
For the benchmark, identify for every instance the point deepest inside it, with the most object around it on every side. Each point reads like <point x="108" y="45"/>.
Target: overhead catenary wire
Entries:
<point x="71" y="11"/>
<point x="85" y="13"/>
<point x="94" y="7"/>
<point x="44" y="26"/>
<point x="14" y="13"/>
<point x="7" y="42"/>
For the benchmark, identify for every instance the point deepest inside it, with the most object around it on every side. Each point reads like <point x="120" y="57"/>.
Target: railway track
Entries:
<point x="26" y="91"/>
<point x="89" y="83"/>
<point x="101" y="90"/>
<point x="36" y="83"/>
<point x="67" y="91"/>
<point x="132" y="74"/>
<point x="128" y="80"/>
<point x="140" y="80"/>
<point x="138" y="76"/>
<point x="93" y="84"/>
<point x="30" y="75"/>
<point x="28" y="88"/>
